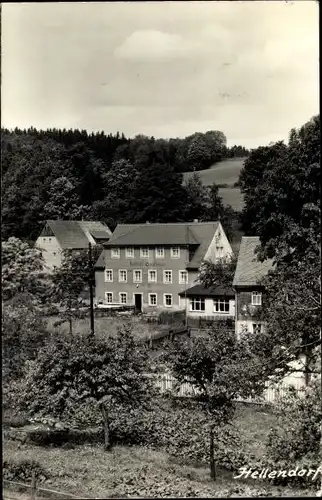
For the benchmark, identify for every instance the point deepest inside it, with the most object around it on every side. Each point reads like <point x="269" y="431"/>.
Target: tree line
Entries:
<point x="70" y="174"/>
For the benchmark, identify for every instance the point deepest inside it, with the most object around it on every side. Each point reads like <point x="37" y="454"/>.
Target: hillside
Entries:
<point x="224" y="172"/>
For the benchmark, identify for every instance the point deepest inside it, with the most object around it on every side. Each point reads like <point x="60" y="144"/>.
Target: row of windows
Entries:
<point x="152" y="276"/>
<point x="220" y="305"/>
<point x="145" y="252"/>
<point x="196" y="304"/>
<point x="152" y="298"/>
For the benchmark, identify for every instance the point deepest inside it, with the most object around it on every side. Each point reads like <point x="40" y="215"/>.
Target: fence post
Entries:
<point x="33" y="486"/>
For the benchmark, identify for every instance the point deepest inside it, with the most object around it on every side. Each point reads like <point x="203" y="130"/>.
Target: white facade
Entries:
<point x="51" y="251"/>
<point x="219" y="247"/>
<point x="209" y="310"/>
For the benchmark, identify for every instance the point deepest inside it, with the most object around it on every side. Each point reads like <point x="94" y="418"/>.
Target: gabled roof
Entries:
<point x="249" y="270"/>
<point x="76" y="234"/>
<point x="198" y="235"/>
<point x="97" y="229"/>
<point x="212" y="291"/>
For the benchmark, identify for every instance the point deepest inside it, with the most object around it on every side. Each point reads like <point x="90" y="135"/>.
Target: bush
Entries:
<point x="171" y="318"/>
<point x="22" y="470"/>
<point x="295" y="441"/>
<point x="181" y="432"/>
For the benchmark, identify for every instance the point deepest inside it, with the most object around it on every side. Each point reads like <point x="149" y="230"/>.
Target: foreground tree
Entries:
<point x="75" y="376"/>
<point x="23" y="271"/>
<point x="295" y="440"/>
<point x="71" y="282"/>
<point x="222" y="368"/>
<point x="220" y="273"/>
<point x="24" y="331"/>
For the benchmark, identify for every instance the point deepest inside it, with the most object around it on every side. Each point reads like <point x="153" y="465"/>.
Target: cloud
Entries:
<point x="149" y="45"/>
<point x="167" y="69"/>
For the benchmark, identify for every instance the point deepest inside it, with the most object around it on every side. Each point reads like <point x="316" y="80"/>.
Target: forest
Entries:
<point x="71" y="174"/>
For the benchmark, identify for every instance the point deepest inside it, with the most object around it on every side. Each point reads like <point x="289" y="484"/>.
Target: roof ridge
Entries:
<point x="143" y="224"/>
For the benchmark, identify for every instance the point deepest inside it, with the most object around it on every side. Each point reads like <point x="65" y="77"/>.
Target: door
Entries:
<point x="138" y="302"/>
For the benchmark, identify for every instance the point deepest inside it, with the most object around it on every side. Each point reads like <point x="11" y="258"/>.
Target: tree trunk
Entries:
<point x="308" y="362"/>
<point x="70" y="326"/>
<point x="107" y="433"/>
<point x="212" y="454"/>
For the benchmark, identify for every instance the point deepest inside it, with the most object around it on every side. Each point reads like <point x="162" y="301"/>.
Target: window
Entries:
<point x="123" y="297"/>
<point x="197" y="304"/>
<point x="167" y="299"/>
<point x="167" y="276"/>
<point x="257" y="328"/>
<point x="137" y="276"/>
<point x="109" y="275"/>
<point x="159" y="253"/>
<point x="109" y="297"/>
<point x="175" y="252"/>
<point x="115" y="253"/>
<point x="256" y="299"/>
<point x="152" y="299"/>
<point x="122" y="276"/>
<point x="152" y="276"/>
<point x="129" y="252"/>
<point x="220" y="252"/>
<point x="144" y="252"/>
<point x="221" y="306"/>
<point x="183" y="277"/>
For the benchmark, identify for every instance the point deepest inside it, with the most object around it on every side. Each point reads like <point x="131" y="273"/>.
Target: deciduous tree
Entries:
<point x="70" y="375"/>
<point x="222" y="368"/>
<point x="23" y="271"/>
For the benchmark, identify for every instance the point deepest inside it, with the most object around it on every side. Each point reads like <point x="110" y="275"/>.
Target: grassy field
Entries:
<point x="89" y="472"/>
<point x="134" y="471"/>
<point x="224" y="172"/>
<point x="106" y="326"/>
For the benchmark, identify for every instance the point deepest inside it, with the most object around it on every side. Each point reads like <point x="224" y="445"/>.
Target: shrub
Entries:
<point x="22" y="470"/>
<point x="295" y="441"/>
<point x="171" y="318"/>
<point x="181" y="432"/>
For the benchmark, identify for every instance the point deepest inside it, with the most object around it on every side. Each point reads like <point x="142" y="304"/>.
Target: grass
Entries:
<point x="135" y="471"/>
<point x="88" y="471"/>
<point x="224" y="172"/>
<point x="105" y="326"/>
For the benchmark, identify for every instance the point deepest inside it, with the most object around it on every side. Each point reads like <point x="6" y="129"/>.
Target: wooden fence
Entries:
<point x="168" y="383"/>
<point x="33" y="491"/>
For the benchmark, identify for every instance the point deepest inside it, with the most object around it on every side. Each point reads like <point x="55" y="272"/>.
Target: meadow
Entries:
<point x="224" y="172"/>
<point x="137" y="471"/>
<point x="105" y="326"/>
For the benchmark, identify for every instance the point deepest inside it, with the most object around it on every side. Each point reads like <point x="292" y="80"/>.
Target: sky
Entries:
<point x="167" y="69"/>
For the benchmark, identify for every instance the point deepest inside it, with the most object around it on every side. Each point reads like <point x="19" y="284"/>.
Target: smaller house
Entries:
<point x="247" y="285"/>
<point x="60" y="235"/>
<point x="212" y="303"/>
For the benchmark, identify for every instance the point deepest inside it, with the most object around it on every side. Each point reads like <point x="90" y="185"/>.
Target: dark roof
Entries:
<point x="76" y="234"/>
<point x="249" y="270"/>
<point x="100" y="235"/>
<point x="198" y="234"/>
<point x="213" y="291"/>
